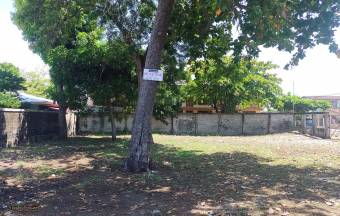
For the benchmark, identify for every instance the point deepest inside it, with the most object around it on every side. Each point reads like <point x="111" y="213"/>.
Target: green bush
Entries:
<point x="9" y="100"/>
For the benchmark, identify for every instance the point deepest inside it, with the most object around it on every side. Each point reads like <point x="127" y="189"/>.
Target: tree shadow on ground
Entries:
<point x="251" y="183"/>
<point x="183" y="183"/>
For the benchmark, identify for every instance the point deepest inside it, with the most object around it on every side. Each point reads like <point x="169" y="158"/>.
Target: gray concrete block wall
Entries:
<point x="18" y="127"/>
<point x="90" y="123"/>
<point x="255" y="124"/>
<point x="124" y="124"/>
<point x="185" y="123"/>
<point x="159" y="126"/>
<point x="101" y="123"/>
<point x="281" y="123"/>
<point x="200" y="124"/>
<point x="207" y="124"/>
<point x="10" y="124"/>
<point x="230" y="124"/>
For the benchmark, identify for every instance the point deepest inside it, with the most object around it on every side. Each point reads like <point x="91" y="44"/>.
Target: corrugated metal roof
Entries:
<point x="27" y="98"/>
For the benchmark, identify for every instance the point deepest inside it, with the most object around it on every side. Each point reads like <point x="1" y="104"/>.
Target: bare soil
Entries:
<point x="284" y="174"/>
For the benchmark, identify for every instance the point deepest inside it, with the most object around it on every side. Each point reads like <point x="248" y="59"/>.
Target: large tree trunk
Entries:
<point x="62" y="116"/>
<point x="139" y="68"/>
<point x="141" y="139"/>
<point x="62" y="122"/>
<point x="113" y="125"/>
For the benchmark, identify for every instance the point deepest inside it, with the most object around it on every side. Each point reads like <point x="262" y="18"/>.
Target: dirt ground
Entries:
<point x="283" y="174"/>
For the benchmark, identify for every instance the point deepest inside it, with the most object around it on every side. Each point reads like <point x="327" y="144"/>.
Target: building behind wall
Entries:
<point x="333" y="99"/>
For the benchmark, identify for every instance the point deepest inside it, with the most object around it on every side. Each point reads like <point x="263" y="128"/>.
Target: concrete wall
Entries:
<point x="199" y="124"/>
<point x="256" y="124"/>
<point x="231" y="124"/>
<point x="19" y="127"/>
<point x="101" y="123"/>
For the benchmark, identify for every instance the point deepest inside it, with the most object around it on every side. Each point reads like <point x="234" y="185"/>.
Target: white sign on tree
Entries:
<point x="153" y="74"/>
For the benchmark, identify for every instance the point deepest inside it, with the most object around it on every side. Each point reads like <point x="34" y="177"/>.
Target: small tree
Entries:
<point x="10" y="83"/>
<point x="10" y="79"/>
<point x="51" y="28"/>
<point x="37" y="84"/>
<point x="168" y="98"/>
<point x="107" y="74"/>
<point x="226" y="83"/>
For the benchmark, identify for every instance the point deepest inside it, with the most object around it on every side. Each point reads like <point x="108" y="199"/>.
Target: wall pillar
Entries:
<point x="314" y="124"/>
<point x="269" y="122"/>
<point x="242" y="123"/>
<point x="327" y="126"/>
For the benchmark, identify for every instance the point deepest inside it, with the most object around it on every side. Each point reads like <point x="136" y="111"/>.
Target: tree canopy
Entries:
<point x="230" y="84"/>
<point x="212" y="28"/>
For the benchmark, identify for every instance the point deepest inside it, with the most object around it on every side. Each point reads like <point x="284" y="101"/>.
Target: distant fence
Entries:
<point x="315" y="124"/>
<point x="19" y="127"/>
<point x="200" y="124"/>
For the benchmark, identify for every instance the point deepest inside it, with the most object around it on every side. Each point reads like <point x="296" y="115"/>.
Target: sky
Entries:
<point x="317" y="74"/>
<point x="13" y="48"/>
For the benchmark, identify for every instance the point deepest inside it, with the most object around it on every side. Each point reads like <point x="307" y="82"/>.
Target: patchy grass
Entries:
<point x="43" y="172"/>
<point x="293" y="150"/>
<point x="259" y="175"/>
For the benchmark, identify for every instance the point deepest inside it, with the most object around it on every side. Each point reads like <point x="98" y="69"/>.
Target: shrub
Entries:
<point x="9" y="100"/>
